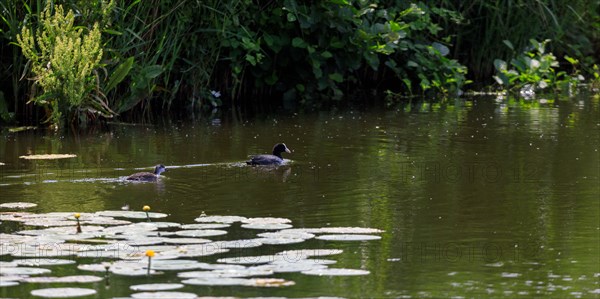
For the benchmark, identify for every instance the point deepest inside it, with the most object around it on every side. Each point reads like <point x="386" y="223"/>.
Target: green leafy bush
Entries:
<point x="319" y="51"/>
<point x="64" y="61"/>
<point x="534" y="67"/>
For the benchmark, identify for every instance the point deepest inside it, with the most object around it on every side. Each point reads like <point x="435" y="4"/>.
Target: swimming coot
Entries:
<point x="274" y="159"/>
<point x="147" y="176"/>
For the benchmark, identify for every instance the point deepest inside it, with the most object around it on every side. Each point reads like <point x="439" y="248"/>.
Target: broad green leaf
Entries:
<point x="298" y="42"/>
<point x="441" y="48"/>
<point x="119" y="74"/>
<point x="337" y="77"/>
<point x="113" y="32"/>
<point x="340" y="2"/>
<point x="500" y="65"/>
<point x="152" y="71"/>
<point x="508" y="44"/>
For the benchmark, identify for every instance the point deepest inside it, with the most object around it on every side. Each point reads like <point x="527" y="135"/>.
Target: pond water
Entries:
<point x="477" y="197"/>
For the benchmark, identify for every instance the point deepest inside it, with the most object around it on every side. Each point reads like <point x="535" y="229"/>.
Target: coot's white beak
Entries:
<point x="287" y="150"/>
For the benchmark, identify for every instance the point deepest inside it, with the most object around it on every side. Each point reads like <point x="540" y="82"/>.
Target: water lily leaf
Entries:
<point x="200" y="233"/>
<point x="283" y="234"/>
<point x="348" y="237"/>
<point x="266" y="226"/>
<point x="63" y="292"/>
<point x="205" y="226"/>
<point x="280" y="241"/>
<point x="156" y="287"/>
<point x="336" y="230"/>
<point x="8" y="283"/>
<point x="249" y="260"/>
<point x="336" y="272"/>
<point x="262" y="220"/>
<point x="131" y="214"/>
<point x="63" y="279"/>
<point x="245" y="243"/>
<point x="48" y="156"/>
<point x="185" y="240"/>
<point x="291" y="267"/>
<point x="216" y="281"/>
<point x="164" y="295"/>
<point x="302" y="253"/>
<point x="220" y="219"/>
<point x="43" y="262"/>
<point x="169" y="265"/>
<point x="18" y="205"/>
<point x="24" y="271"/>
<point x="270" y="282"/>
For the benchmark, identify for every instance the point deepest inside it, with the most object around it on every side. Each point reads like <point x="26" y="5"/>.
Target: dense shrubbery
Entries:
<point x="197" y="55"/>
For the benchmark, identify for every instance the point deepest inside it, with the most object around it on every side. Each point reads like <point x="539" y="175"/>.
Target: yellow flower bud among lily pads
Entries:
<point x="77" y="215"/>
<point x="146" y="208"/>
<point x="150" y="253"/>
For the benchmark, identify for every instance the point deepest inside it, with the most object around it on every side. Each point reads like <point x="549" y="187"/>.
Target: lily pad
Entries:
<point x="216" y="281"/>
<point x="256" y="282"/>
<point x="34" y="262"/>
<point x="24" y="271"/>
<point x="167" y="265"/>
<point x="196" y="233"/>
<point x="280" y="241"/>
<point x="18" y="205"/>
<point x="336" y="230"/>
<point x="48" y="156"/>
<point x="348" y="237"/>
<point x="185" y="240"/>
<point x="229" y="273"/>
<point x="156" y="287"/>
<point x="8" y="283"/>
<point x="205" y="226"/>
<point x="270" y="282"/>
<point x="267" y="226"/>
<point x="309" y="252"/>
<point x="220" y="219"/>
<point x="63" y="292"/>
<point x="336" y="272"/>
<point x="238" y="244"/>
<point x="284" y="234"/>
<point x="250" y="260"/>
<point x="131" y="214"/>
<point x="291" y="267"/>
<point x="164" y="295"/>
<point x="266" y="220"/>
<point x="63" y="279"/>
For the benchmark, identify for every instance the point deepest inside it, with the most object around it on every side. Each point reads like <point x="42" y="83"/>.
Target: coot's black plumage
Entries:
<point x="148" y="176"/>
<point x="274" y="159"/>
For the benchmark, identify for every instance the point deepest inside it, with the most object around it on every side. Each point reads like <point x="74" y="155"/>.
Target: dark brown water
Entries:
<point x="477" y="197"/>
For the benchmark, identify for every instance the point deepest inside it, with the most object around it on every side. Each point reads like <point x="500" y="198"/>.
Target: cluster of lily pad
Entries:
<point x="149" y="248"/>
